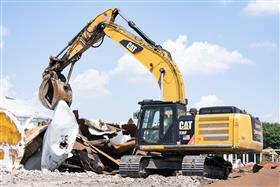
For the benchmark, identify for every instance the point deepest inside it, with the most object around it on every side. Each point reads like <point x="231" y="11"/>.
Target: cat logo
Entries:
<point x="185" y="125"/>
<point x="132" y="47"/>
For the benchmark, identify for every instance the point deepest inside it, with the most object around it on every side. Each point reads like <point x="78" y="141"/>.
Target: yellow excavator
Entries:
<point x="173" y="138"/>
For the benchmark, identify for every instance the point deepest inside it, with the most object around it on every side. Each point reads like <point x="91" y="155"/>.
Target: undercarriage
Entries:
<point x="137" y="166"/>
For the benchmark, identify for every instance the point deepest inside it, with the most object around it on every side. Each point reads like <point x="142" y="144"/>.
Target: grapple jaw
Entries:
<point x="53" y="89"/>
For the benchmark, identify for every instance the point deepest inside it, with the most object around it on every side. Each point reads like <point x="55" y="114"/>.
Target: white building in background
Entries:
<point x="28" y="112"/>
<point x="31" y="121"/>
<point x="244" y="158"/>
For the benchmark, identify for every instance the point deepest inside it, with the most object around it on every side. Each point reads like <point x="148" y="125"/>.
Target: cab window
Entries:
<point x="167" y="118"/>
<point x="181" y="112"/>
<point x="151" y="125"/>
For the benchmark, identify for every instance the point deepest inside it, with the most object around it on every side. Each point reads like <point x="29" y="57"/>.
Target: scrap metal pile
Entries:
<point x="77" y="145"/>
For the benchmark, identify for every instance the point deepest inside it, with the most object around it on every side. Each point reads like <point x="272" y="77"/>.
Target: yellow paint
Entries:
<point x="9" y="133"/>
<point x="78" y="45"/>
<point x="245" y="139"/>
<point x="152" y="147"/>
<point x="239" y="131"/>
<point x="153" y="58"/>
<point x="222" y="120"/>
<point x="173" y="85"/>
<point x="9" y="138"/>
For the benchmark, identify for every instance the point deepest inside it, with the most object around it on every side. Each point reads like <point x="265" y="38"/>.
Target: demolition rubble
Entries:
<point x="69" y="150"/>
<point x="71" y="143"/>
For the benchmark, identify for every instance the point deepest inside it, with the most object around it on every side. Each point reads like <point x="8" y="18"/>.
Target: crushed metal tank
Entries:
<point x="59" y="138"/>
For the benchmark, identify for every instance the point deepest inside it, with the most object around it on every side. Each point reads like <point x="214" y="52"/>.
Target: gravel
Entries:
<point x="43" y="178"/>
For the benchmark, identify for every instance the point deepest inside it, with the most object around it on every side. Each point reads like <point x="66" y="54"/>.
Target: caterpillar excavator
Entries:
<point x="173" y="138"/>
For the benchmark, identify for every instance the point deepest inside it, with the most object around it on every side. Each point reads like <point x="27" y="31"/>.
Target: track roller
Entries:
<point x="133" y="166"/>
<point x="193" y="165"/>
<point x="210" y="166"/>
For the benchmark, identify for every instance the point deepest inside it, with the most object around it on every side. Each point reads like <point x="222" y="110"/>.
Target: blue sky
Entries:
<point x="228" y="53"/>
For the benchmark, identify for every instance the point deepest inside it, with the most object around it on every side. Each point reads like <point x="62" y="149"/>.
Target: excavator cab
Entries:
<point x="155" y="123"/>
<point x="159" y="122"/>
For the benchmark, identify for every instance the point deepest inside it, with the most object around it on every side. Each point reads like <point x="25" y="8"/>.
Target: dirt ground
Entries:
<point x="266" y="178"/>
<point x="266" y="175"/>
<point x="47" y="178"/>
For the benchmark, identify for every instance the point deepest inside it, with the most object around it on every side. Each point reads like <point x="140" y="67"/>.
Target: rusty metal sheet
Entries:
<point x="31" y="134"/>
<point x="90" y="152"/>
<point x="128" y="129"/>
<point x="125" y="147"/>
<point x="100" y="151"/>
<point x="91" y="161"/>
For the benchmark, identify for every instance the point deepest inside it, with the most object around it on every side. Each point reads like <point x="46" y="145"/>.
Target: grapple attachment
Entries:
<point x="52" y="90"/>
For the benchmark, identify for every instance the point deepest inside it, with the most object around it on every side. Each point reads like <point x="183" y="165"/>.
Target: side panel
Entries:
<point x="214" y="129"/>
<point x="249" y="133"/>
<point x="186" y="128"/>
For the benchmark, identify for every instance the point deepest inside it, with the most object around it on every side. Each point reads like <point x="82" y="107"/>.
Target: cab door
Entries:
<point x="168" y="133"/>
<point x="150" y="126"/>
<point x="157" y="125"/>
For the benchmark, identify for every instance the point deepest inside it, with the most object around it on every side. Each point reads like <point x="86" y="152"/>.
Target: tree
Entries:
<point x="271" y="135"/>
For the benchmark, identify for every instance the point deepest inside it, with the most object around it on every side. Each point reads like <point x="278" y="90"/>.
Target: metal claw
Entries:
<point x="52" y="90"/>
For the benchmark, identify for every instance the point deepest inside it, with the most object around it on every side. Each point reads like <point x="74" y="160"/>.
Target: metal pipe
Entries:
<point x="141" y="33"/>
<point x="162" y="72"/>
<point x="69" y="73"/>
<point x="71" y="41"/>
<point x="62" y="51"/>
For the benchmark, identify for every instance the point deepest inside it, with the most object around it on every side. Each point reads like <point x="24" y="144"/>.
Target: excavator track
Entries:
<point x="216" y="167"/>
<point x="209" y="166"/>
<point x="193" y="165"/>
<point x="133" y="166"/>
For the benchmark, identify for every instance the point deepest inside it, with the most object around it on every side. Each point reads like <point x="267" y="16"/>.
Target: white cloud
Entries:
<point x="131" y="68"/>
<point x="260" y="7"/>
<point x="198" y="58"/>
<point x="202" y="57"/>
<point x="207" y="101"/>
<point x="20" y="107"/>
<point x="263" y="44"/>
<point x="91" y="81"/>
<point x="6" y="87"/>
<point x="3" y="33"/>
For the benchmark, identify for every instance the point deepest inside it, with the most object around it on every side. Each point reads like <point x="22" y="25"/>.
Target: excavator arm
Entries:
<point x="156" y="59"/>
<point x="85" y="39"/>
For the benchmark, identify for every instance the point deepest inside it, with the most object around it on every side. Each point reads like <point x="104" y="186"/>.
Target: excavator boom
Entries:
<point x="157" y="60"/>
